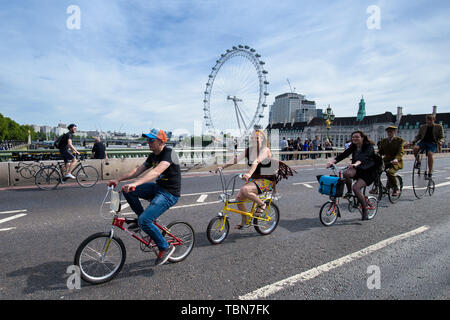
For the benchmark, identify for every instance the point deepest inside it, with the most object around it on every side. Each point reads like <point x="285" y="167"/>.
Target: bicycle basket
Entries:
<point x="331" y="185"/>
<point x="114" y="205"/>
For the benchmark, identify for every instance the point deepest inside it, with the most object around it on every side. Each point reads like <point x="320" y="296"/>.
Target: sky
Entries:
<point x="137" y="64"/>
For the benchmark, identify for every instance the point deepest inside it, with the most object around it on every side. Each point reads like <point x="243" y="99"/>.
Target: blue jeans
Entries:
<point x="161" y="200"/>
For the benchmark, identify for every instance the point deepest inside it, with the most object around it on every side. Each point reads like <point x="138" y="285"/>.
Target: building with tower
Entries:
<point x="373" y="125"/>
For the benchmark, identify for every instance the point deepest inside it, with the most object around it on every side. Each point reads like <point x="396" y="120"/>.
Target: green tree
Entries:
<point x="11" y="130"/>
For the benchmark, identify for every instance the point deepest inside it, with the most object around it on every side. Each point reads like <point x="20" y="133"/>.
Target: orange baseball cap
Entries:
<point x="156" y="134"/>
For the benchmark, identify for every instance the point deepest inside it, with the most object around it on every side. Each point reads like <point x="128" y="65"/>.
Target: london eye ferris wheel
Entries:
<point x="235" y="94"/>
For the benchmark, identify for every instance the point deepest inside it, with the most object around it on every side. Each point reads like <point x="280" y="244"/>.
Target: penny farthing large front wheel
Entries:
<point x="235" y="95"/>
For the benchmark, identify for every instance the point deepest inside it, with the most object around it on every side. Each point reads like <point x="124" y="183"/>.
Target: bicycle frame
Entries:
<point x="352" y="199"/>
<point x="225" y="197"/>
<point x="118" y="222"/>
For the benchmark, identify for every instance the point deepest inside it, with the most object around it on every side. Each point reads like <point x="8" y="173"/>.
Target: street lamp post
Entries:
<point x="329" y="118"/>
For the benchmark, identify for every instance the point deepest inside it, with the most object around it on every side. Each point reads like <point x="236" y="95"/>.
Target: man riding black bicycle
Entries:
<point x="64" y="144"/>
<point x="391" y="148"/>
<point x="431" y="137"/>
<point x="165" y="169"/>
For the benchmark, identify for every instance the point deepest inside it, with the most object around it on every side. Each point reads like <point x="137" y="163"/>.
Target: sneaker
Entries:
<point x="164" y="255"/>
<point x="69" y="176"/>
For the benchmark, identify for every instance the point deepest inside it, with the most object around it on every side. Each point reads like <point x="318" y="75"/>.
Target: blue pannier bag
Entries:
<point x="331" y="185"/>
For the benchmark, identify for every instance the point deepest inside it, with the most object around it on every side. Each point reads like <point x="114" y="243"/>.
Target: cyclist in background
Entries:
<point x="362" y="169"/>
<point x="165" y="169"/>
<point x="65" y="142"/>
<point x="431" y="136"/>
<point x="391" y="148"/>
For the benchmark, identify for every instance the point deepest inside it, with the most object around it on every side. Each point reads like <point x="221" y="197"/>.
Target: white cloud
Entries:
<point x="144" y="63"/>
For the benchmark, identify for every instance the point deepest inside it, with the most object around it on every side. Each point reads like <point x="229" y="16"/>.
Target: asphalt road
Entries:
<point x="353" y="259"/>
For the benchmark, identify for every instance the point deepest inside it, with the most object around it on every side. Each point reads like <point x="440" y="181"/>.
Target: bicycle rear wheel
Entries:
<point x="329" y="212"/>
<point x="47" y="178"/>
<point x="267" y="227"/>
<point x="87" y="176"/>
<point x="419" y="176"/>
<point x="183" y="247"/>
<point x="100" y="257"/>
<point x="218" y="229"/>
<point x="393" y="199"/>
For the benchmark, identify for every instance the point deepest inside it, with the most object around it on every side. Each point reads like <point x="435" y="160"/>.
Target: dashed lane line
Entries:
<point x="202" y="198"/>
<point x="13" y="211"/>
<point x="12" y="218"/>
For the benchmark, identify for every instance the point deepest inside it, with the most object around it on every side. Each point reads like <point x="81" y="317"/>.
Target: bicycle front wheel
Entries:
<point x="329" y="213"/>
<point x="100" y="257"/>
<point x="183" y="240"/>
<point x="267" y="227"/>
<point x="218" y="229"/>
<point x="47" y="178"/>
<point x="419" y="176"/>
<point x="87" y="176"/>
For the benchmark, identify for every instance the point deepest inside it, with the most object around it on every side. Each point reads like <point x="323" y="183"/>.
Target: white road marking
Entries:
<point x="12" y="218"/>
<point x="308" y="185"/>
<point x="7" y="229"/>
<point x="202" y="198"/>
<point x="306" y="182"/>
<point x="201" y="193"/>
<point x="13" y="211"/>
<point x="442" y="184"/>
<point x="315" y="272"/>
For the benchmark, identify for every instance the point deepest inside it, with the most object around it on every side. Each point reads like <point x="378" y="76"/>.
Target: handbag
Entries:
<point x="331" y="185"/>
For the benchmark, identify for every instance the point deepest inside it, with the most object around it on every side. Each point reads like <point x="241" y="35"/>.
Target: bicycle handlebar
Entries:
<point x="223" y="182"/>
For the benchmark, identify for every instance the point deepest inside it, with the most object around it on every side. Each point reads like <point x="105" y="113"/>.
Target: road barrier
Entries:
<point x="122" y="161"/>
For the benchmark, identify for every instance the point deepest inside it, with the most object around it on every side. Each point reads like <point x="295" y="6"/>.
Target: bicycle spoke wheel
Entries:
<point x="218" y="229"/>
<point x="267" y="227"/>
<point x="26" y="173"/>
<point x="419" y="177"/>
<point x="394" y="199"/>
<point x="183" y="247"/>
<point x="47" y="178"/>
<point x="382" y="187"/>
<point x="431" y="187"/>
<point x="87" y="176"/>
<point x="372" y="207"/>
<point x="329" y="213"/>
<point x="100" y="258"/>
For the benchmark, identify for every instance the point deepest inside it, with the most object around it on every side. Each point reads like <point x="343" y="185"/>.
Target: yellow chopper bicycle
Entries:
<point x="265" y="223"/>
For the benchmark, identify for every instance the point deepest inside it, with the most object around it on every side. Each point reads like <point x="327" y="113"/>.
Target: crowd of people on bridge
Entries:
<point x="307" y="145"/>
